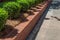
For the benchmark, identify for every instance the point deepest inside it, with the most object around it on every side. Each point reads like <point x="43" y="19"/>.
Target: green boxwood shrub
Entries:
<point x="13" y="9"/>
<point x="3" y="18"/>
<point x="39" y="1"/>
<point x="1" y="4"/>
<point x="31" y="2"/>
<point x="24" y="3"/>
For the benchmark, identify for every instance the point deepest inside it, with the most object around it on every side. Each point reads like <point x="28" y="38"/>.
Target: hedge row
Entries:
<point x="3" y="18"/>
<point x="11" y="9"/>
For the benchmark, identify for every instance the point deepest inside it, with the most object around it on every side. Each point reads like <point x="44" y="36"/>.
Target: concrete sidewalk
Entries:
<point x="49" y="29"/>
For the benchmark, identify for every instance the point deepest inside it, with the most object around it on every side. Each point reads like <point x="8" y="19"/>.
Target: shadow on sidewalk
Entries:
<point x="35" y="31"/>
<point x="55" y="5"/>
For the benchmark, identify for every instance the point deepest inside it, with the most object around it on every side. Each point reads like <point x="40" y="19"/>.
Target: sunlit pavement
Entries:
<point x="50" y="28"/>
